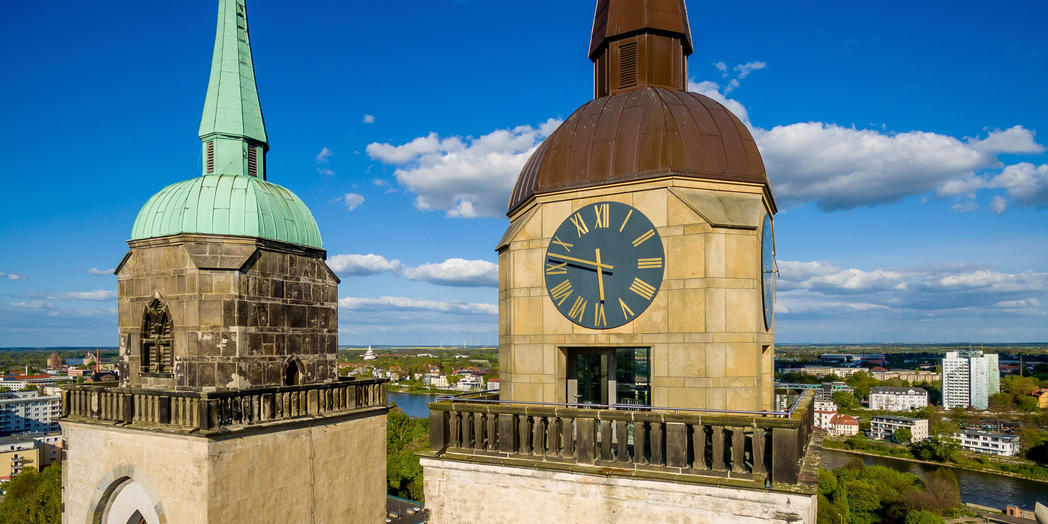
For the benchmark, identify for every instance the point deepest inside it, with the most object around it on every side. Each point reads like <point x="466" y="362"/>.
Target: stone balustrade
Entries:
<point x="219" y="411"/>
<point x="755" y="450"/>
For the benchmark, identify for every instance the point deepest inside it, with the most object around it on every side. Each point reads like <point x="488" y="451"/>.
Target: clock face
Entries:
<point x="604" y="265"/>
<point x="768" y="270"/>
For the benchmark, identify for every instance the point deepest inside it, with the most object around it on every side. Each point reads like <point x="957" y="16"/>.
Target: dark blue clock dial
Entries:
<point x="768" y="271"/>
<point x="604" y="265"/>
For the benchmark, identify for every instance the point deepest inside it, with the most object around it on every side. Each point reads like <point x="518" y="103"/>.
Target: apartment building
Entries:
<point x="883" y="427"/>
<point x="985" y="442"/>
<point x="898" y="399"/>
<point x="28" y="412"/>
<point x="969" y="377"/>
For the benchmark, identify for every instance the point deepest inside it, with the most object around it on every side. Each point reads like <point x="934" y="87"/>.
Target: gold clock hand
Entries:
<point x="580" y="261"/>
<point x="600" y="274"/>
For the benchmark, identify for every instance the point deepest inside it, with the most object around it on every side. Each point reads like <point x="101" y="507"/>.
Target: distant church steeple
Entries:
<point x="231" y="128"/>
<point x="639" y="43"/>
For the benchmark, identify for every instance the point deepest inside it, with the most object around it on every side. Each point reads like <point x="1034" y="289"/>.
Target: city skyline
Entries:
<point x="911" y="182"/>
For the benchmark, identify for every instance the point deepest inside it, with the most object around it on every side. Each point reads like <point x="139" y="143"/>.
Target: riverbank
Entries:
<point x="939" y="464"/>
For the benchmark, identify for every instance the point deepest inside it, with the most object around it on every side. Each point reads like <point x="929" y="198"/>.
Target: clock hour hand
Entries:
<point x="600" y="274"/>
<point x="596" y="264"/>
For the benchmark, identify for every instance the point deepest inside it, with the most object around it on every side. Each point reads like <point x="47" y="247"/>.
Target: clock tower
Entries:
<point x="638" y="266"/>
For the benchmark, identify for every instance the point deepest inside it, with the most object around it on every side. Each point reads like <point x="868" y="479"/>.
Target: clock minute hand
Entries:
<point x="581" y="261"/>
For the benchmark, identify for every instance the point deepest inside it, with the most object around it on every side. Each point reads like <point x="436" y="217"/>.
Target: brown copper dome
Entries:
<point x="641" y="134"/>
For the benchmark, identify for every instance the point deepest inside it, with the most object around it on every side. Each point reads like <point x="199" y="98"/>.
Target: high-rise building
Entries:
<point x="636" y="334"/>
<point x="969" y="377"/>
<point x="229" y="407"/>
<point x="29" y="412"/>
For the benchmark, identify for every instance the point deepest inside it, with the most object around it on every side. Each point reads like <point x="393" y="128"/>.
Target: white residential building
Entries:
<point x="435" y="380"/>
<point x="993" y="443"/>
<point x="898" y="399"/>
<point x="824" y="411"/>
<point x="19" y="382"/>
<point x="27" y="412"/>
<point x="843" y="425"/>
<point x="470" y="383"/>
<point x="969" y="377"/>
<point x="883" y="427"/>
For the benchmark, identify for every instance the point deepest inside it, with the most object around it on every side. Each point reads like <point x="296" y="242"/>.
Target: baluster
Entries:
<point x="539" y="436"/>
<point x="718" y="448"/>
<point x="567" y="437"/>
<point x="454" y="441"/>
<point x="525" y="434"/>
<point x="478" y="430"/>
<point x="492" y="433"/>
<point x="622" y="451"/>
<point x="640" y="441"/>
<point x="698" y="445"/>
<point x="553" y="436"/>
<point x="467" y="429"/>
<point x="758" y="450"/>
<point x="738" y="450"/>
<point x="605" y="440"/>
<point x="656" y="443"/>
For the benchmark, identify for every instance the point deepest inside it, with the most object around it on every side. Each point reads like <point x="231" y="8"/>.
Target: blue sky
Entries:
<point x="904" y="142"/>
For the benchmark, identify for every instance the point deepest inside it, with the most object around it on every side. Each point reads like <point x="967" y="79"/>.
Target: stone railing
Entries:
<point x="747" y="449"/>
<point x="219" y="411"/>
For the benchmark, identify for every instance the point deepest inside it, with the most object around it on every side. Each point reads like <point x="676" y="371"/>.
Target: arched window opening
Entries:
<point x="157" y="328"/>
<point x="292" y="375"/>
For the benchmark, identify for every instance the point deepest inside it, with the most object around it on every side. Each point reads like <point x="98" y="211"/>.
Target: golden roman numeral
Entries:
<point x="649" y="263"/>
<point x="598" y="315"/>
<point x="556" y="269"/>
<point x="561" y="292"/>
<point x="642" y="288"/>
<point x="578" y="309"/>
<point x="567" y="247"/>
<point x="626" y="311"/>
<point x="580" y="224"/>
<point x="641" y="239"/>
<point x="623" y="226"/>
<point x="602" y="211"/>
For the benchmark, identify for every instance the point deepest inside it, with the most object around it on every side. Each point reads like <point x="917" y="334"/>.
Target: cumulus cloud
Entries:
<point x="353" y="200"/>
<point x="368" y="119"/>
<point x="101" y="272"/>
<point x="359" y="265"/>
<point x="98" y="294"/>
<point x="1015" y="139"/>
<point x="998" y="204"/>
<point x="324" y="155"/>
<point x="734" y="75"/>
<point x="1026" y="183"/>
<point x="12" y="276"/>
<point x="820" y="286"/>
<point x="457" y="272"/>
<point x="405" y="303"/>
<point x="464" y="177"/>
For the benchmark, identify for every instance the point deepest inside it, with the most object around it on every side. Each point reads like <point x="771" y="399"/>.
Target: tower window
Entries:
<point x="628" y="64"/>
<point x="157" y="327"/>
<point x="252" y="160"/>
<point x="210" y="156"/>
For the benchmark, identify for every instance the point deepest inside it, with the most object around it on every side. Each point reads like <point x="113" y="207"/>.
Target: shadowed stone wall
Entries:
<point x="245" y="312"/>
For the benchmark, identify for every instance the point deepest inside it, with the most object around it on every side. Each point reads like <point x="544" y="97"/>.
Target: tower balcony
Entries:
<point x="207" y="413"/>
<point x="766" y="450"/>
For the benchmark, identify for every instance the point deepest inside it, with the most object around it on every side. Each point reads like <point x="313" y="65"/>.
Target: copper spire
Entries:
<point x="639" y="43"/>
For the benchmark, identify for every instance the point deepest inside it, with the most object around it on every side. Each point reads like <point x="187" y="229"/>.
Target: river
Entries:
<point x="996" y="491"/>
<point x="978" y="488"/>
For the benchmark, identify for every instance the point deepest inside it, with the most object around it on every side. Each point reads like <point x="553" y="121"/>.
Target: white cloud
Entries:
<point x="357" y="265"/>
<point x="368" y="119"/>
<point x="965" y="206"/>
<point x="405" y="303"/>
<point x="457" y="272"/>
<point x="744" y="70"/>
<point x="101" y="272"/>
<point x="712" y="90"/>
<point x="998" y="204"/>
<point x="324" y="155"/>
<point x="1026" y="183"/>
<point x="325" y="171"/>
<point x="12" y="276"/>
<point x="353" y="200"/>
<point x="464" y="177"/>
<point x="1015" y="139"/>
<point x="98" y="294"/>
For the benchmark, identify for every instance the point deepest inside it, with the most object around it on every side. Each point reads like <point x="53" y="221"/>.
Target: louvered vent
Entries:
<point x="628" y="64"/>
<point x="210" y="156"/>
<point x="252" y="160"/>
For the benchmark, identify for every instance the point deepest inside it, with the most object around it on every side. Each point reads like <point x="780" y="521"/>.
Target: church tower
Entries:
<point x="229" y="406"/>
<point x="636" y="328"/>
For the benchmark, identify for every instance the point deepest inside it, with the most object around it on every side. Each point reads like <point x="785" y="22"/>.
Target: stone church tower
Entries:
<point x="636" y="329"/>
<point x="229" y="406"/>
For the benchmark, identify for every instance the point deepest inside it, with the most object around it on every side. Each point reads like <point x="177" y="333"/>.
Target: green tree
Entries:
<point x="922" y="516"/>
<point x="902" y="435"/>
<point x="1028" y="404"/>
<point x="404" y="437"/>
<point x="34" y="498"/>
<point x="1000" y="402"/>
<point x="861" y="382"/>
<point x="1018" y="386"/>
<point x="846" y="401"/>
<point x="937" y="448"/>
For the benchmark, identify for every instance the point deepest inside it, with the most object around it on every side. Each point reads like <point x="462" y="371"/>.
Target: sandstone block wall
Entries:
<point x="242" y="308"/>
<point x="705" y="328"/>
<point x="470" y="492"/>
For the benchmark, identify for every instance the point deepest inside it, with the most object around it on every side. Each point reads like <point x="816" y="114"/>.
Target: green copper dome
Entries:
<point x="238" y="205"/>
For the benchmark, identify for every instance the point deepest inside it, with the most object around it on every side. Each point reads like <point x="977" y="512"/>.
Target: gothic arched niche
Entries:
<point x="157" y="335"/>
<point x="292" y="373"/>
